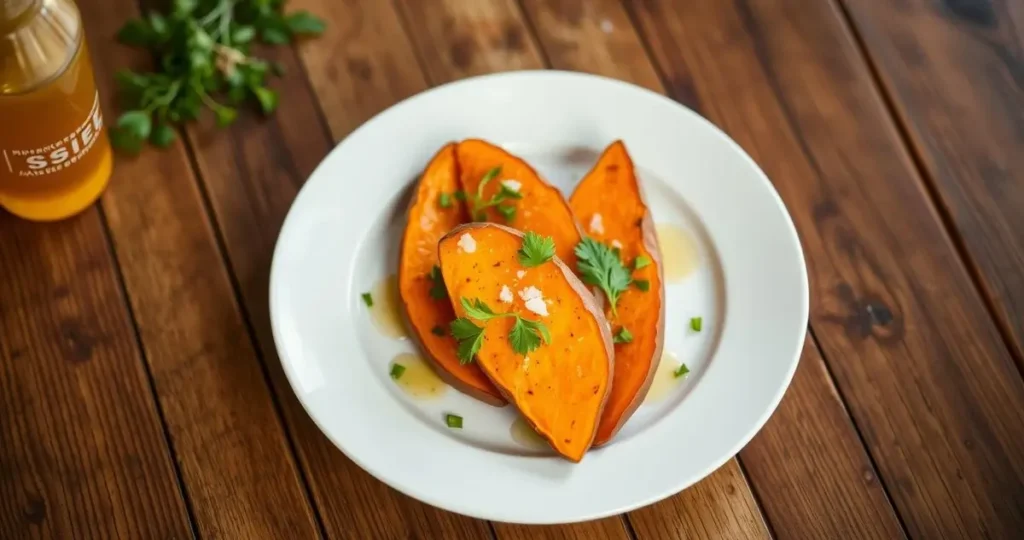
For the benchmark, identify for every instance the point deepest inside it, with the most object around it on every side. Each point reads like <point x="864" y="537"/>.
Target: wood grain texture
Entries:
<point x="954" y="71"/>
<point x="720" y="506"/>
<point x="252" y="172"/>
<point x="923" y="369"/>
<point x="236" y="463"/>
<point x="474" y="38"/>
<point x="830" y="496"/>
<point x="82" y="449"/>
<point x="600" y="529"/>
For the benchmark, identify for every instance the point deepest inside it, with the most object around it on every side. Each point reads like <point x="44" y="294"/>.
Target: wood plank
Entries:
<point x="82" y="448"/>
<point x="955" y="73"/>
<point x="923" y="369"/>
<point x="252" y="172"/>
<point x="458" y="40"/>
<point x="833" y="497"/>
<point x="599" y="529"/>
<point x="235" y="459"/>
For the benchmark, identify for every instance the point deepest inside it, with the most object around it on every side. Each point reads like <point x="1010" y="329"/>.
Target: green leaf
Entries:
<point x="453" y="421"/>
<point x="368" y="299"/>
<point x="136" y="32"/>
<point x="507" y="211"/>
<point x="437" y="289"/>
<point x="681" y="371"/>
<point x="183" y="8"/>
<point x="642" y="284"/>
<point x="508" y="193"/>
<point x="163" y="135"/>
<point x="125" y="141"/>
<point x="460" y="195"/>
<point x="641" y="261"/>
<point x="444" y="200"/>
<point x="242" y="35"/>
<point x="437" y="331"/>
<point x="303" y="22"/>
<point x="463" y="328"/>
<point x="623" y="336"/>
<point x="225" y="116"/>
<point x="488" y="176"/>
<point x="267" y="98"/>
<point x="477" y="309"/>
<point x="274" y="36"/>
<point x="136" y="123"/>
<point x="536" y="249"/>
<point x="396" y="371"/>
<point x="481" y="215"/>
<point x="523" y="339"/>
<point x="601" y="267"/>
<point x="469" y="345"/>
<point x="539" y="327"/>
<point x="696" y="323"/>
<point x="159" y="25"/>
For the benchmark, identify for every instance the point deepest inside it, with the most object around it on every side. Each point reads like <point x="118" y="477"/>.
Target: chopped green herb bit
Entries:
<point x="481" y="215"/>
<point x="641" y="261"/>
<point x="437" y="289"/>
<point x="681" y="371"/>
<point x="396" y="371"/>
<point x="368" y="299"/>
<point x="437" y="331"/>
<point x="623" y="336"/>
<point x="536" y="249"/>
<point x="453" y="421"/>
<point x="600" y="266"/>
<point x="444" y="200"/>
<point x="460" y="195"/>
<point x="642" y="284"/>
<point x="696" y="323"/>
<point x="507" y="211"/>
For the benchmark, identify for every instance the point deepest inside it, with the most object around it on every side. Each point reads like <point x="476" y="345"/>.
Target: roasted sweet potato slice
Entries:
<point x="542" y="209"/>
<point x="433" y="212"/>
<point x="610" y="203"/>
<point x="560" y="387"/>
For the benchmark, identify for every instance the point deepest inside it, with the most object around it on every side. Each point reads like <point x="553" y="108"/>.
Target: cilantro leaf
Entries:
<point x="444" y="200"/>
<point x="437" y="331"/>
<point x="681" y="371"/>
<point x="477" y="309"/>
<point x="460" y="195"/>
<point x="470" y="338"/>
<point x="642" y="284"/>
<point x="601" y="267"/>
<point x="623" y="336"/>
<point x="303" y="22"/>
<point x="536" y="249"/>
<point x="437" y="289"/>
<point x="641" y="261"/>
<point x="509" y="193"/>
<point x="524" y="340"/>
<point x="507" y="211"/>
<point x="463" y="328"/>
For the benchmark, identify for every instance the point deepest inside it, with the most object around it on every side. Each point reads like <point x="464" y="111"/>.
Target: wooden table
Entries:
<point x="140" y="394"/>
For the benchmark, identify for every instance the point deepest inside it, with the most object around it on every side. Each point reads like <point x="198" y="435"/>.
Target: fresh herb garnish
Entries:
<point x="681" y="371"/>
<point x="536" y="249"/>
<point x="525" y="336"/>
<point x="642" y="284"/>
<point x="396" y="371"/>
<point x="601" y="267"/>
<point x="444" y="200"/>
<point x="623" y="336"/>
<point x="202" y="48"/>
<point x="437" y="331"/>
<point x="368" y="299"/>
<point x="480" y="206"/>
<point x="641" y="261"/>
<point x="460" y="196"/>
<point x="437" y="289"/>
<point x="696" y="323"/>
<point x="453" y="421"/>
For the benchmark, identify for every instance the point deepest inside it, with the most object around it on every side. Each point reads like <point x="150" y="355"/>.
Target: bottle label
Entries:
<point x="59" y="154"/>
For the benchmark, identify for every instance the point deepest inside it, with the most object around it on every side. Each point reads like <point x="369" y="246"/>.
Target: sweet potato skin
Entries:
<point x="612" y="189"/>
<point x="573" y="372"/>
<point x="542" y="209"/>
<point x="427" y="223"/>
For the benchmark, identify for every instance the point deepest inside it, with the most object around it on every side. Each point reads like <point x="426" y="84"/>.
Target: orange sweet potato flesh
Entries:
<point x="427" y="222"/>
<point x="612" y="190"/>
<point x="561" y="387"/>
<point x="542" y="209"/>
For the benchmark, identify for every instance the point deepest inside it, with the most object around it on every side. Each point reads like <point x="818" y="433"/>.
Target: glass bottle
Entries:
<point x="56" y="157"/>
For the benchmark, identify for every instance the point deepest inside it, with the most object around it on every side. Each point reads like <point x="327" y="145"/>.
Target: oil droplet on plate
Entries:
<point x="665" y="379"/>
<point x="418" y="380"/>
<point x="679" y="254"/>
<point x="524" y="434"/>
<point x="386" y="311"/>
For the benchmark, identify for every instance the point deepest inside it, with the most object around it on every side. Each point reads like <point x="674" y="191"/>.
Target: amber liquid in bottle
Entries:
<point x="55" y="158"/>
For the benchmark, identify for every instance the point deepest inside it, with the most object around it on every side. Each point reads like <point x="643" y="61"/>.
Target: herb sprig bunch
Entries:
<point x="479" y="206"/>
<point x="525" y="336"/>
<point x="202" y="57"/>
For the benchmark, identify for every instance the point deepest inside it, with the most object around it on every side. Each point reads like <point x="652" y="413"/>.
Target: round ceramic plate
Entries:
<point x="737" y="262"/>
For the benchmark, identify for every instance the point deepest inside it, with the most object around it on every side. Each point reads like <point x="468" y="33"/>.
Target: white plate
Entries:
<point x="341" y="237"/>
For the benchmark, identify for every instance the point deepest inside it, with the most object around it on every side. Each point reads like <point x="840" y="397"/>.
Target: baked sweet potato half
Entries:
<point x="532" y="327"/>
<point x="433" y="212"/>
<point x="527" y="202"/>
<point x="609" y="202"/>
